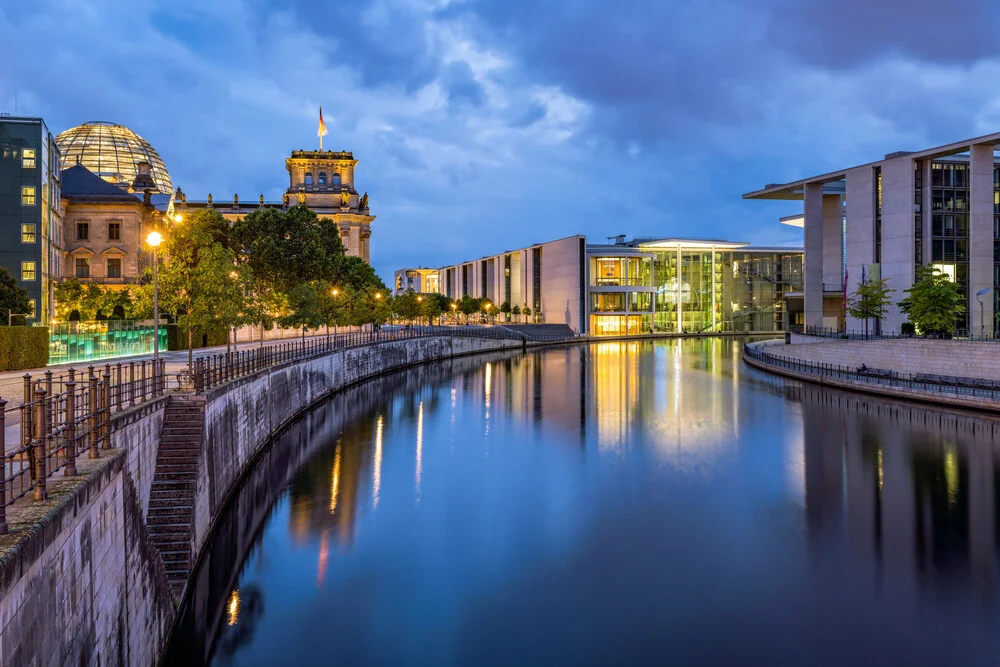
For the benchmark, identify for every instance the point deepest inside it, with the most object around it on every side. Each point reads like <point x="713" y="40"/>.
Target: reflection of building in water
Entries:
<point x="920" y="501"/>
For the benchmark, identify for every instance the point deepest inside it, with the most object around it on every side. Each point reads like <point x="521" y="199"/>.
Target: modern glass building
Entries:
<point x="690" y="286"/>
<point x="30" y="209"/>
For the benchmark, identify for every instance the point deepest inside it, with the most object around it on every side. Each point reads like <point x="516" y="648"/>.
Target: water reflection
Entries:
<point x="599" y="505"/>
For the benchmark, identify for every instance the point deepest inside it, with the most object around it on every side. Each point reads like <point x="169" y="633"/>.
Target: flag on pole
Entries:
<point x="321" y="132"/>
<point x="864" y="279"/>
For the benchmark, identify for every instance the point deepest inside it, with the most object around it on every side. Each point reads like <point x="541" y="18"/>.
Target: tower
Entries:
<point x="324" y="181"/>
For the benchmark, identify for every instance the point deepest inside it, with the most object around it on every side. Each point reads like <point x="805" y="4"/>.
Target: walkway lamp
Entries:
<point x="154" y="240"/>
<point x="982" y="322"/>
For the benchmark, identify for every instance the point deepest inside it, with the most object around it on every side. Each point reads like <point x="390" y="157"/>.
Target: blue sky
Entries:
<point x="483" y="125"/>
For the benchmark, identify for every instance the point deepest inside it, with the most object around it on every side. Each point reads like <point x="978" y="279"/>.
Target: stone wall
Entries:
<point x="960" y="358"/>
<point x="80" y="582"/>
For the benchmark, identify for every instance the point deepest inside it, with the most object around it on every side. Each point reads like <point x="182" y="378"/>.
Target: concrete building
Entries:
<point x="415" y="280"/>
<point x="632" y="287"/>
<point x="939" y="206"/>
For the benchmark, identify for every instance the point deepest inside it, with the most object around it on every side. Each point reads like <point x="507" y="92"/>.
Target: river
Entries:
<point x="622" y="503"/>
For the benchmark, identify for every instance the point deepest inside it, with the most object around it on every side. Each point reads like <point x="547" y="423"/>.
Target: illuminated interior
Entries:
<point x="112" y="152"/>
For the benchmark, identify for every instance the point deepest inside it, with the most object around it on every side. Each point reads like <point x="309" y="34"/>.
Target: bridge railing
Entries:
<point x="212" y="370"/>
<point x="923" y="382"/>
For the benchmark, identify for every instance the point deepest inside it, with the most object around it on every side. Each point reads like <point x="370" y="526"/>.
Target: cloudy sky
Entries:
<point x="484" y="125"/>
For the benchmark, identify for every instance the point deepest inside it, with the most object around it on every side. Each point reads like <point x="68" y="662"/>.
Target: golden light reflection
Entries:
<point x="420" y="444"/>
<point x="951" y="474"/>
<point x="487" y="384"/>
<point x="377" y="472"/>
<point x="335" y="480"/>
<point x="233" y="607"/>
<point x="881" y="476"/>
<point x="324" y="556"/>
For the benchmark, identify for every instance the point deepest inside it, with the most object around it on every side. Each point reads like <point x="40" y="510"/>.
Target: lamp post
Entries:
<point x="154" y="239"/>
<point x="982" y="322"/>
<point x="454" y="315"/>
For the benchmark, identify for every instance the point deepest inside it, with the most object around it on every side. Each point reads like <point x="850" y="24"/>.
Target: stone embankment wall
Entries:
<point x="80" y="581"/>
<point x="956" y="358"/>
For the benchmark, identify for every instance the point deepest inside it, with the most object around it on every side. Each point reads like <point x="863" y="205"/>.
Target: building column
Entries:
<point x="833" y="244"/>
<point x="981" y="238"/>
<point x="714" y="319"/>
<point x="680" y="291"/>
<point x="813" y="221"/>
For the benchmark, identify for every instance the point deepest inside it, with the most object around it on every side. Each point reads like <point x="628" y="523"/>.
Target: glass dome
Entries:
<point x="112" y="152"/>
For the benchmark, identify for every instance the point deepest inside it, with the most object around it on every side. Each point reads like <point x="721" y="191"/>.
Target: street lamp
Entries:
<point x="982" y="322"/>
<point x="154" y="240"/>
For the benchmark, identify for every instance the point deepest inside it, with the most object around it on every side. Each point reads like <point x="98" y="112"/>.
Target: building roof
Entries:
<point x="793" y="190"/>
<point x="80" y="184"/>
<point x="112" y="152"/>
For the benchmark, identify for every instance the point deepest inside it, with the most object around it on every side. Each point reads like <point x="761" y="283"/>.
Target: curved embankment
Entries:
<point x="770" y="356"/>
<point x="80" y="580"/>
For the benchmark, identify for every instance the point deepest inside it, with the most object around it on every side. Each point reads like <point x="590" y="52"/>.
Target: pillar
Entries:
<point x="833" y="246"/>
<point x="860" y="245"/>
<point x="981" y="238"/>
<point x="813" y="220"/>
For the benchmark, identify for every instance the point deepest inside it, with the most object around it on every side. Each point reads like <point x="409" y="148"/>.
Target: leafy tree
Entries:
<point x="505" y="309"/>
<point x="527" y="313"/>
<point x="199" y="280"/>
<point x="468" y="305"/>
<point x="406" y="306"/>
<point x="13" y="299"/>
<point x="435" y="305"/>
<point x="306" y="309"/>
<point x="870" y="301"/>
<point x="516" y="312"/>
<point x="934" y="302"/>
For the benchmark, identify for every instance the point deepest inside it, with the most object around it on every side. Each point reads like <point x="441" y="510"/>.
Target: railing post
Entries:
<point x="39" y="445"/>
<point x="48" y="392"/>
<point x="26" y="413"/>
<point x="118" y="383"/>
<point x="3" y="467"/>
<point x="92" y="416"/>
<point x="131" y="383"/>
<point x="70" y="424"/>
<point x="106" y="428"/>
<point x="142" y="382"/>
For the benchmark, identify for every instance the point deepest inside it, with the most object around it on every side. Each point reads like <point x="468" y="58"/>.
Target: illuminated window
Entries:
<point x="336" y="179"/>
<point x="28" y="195"/>
<point x="322" y="178"/>
<point x="82" y="267"/>
<point x="27" y="233"/>
<point x="27" y="271"/>
<point x="28" y="158"/>
<point x="309" y="178"/>
<point x="83" y="231"/>
<point x="114" y="231"/>
<point x="31" y="313"/>
<point x="114" y="267"/>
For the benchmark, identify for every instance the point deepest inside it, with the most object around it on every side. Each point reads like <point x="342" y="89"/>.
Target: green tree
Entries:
<point x="14" y="299"/>
<point x="305" y="308"/>
<point x="871" y="300"/>
<point x="435" y="305"/>
<point x="406" y="307"/>
<point x="527" y="313"/>
<point x="199" y="280"/>
<point x="934" y="302"/>
<point x="467" y="306"/>
<point x="516" y="312"/>
<point x="505" y="309"/>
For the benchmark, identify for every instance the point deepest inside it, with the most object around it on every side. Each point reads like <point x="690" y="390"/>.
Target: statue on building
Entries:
<point x="363" y="206"/>
<point x="345" y="198"/>
<point x="209" y="198"/>
<point x="284" y="200"/>
<point x="262" y="200"/>
<point x="302" y="196"/>
<point x="236" y="201"/>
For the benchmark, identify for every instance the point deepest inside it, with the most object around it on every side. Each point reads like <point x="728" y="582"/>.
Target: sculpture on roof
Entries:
<point x="345" y="198"/>
<point x="364" y="202"/>
<point x="284" y="200"/>
<point x="236" y="201"/>
<point x="262" y="200"/>
<point x="302" y="196"/>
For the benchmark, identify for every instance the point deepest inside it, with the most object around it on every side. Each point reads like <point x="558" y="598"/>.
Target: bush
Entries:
<point x="177" y="337"/>
<point x="23" y="347"/>
<point x="908" y="329"/>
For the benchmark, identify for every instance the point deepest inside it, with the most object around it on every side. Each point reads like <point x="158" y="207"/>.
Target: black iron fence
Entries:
<point x="852" y="334"/>
<point x="939" y="384"/>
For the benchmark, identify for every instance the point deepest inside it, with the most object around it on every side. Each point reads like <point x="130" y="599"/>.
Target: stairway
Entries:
<point x="171" y="501"/>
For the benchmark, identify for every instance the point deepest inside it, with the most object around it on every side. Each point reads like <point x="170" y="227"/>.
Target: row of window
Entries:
<point x="27" y="155"/>
<point x="29" y="271"/>
<point x="334" y="180"/>
<point x="114" y="231"/>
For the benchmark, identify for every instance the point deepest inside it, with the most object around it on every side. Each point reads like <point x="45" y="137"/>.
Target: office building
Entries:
<point x="939" y="206"/>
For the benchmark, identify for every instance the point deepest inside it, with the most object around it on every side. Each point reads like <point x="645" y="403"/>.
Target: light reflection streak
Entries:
<point x="951" y="474"/>
<point x="324" y="555"/>
<point x="233" y="607"/>
<point x="377" y="468"/>
<point x="420" y="446"/>
<point x="335" y="480"/>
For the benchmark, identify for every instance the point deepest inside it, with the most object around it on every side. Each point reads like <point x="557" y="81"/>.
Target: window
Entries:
<point x="114" y="231"/>
<point x="28" y="158"/>
<point x="82" y="267"/>
<point x="27" y="233"/>
<point x="114" y="267"/>
<point x="309" y="178"/>
<point x="83" y="231"/>
<point x="28" y="195"/>
<point x="336" y="179"/>
<point x="322" y="178"/>
<point x="27" y="271"/>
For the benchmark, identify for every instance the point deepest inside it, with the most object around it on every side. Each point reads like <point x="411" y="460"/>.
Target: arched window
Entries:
<point x="322" y="178"/>
<point x="336" y="179"/>
<point x="309" y="178"/>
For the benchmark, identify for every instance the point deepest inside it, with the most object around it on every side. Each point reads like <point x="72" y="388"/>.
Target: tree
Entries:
<point x="486" y="306"/>
<point x="468" y="305"/>
<point x="435" y="305"/>
<point x="870" y="301"/>
<point x="505" y="309"/>
<point x="527" y="313"/>
<point x="305" y="309"/>
<point x="406" y="306"/>
<point x="200" y="281"/>
<point x="934" y="302"/>
<point x="516" y="312"/>
<point x="14" y="299"/>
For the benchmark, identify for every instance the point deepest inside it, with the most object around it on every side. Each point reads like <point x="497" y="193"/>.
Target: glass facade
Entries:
<point x="950" y="225"/>
<point x="86" y="341"/>
<point x="112" y="152"/>
<point x="694" y="289"/>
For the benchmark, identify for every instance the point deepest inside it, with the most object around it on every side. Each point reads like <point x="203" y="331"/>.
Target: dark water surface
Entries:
<point x="626" y="503"/>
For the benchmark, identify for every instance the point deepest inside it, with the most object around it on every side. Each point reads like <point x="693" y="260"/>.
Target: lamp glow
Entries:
<point x="154" y="239"/>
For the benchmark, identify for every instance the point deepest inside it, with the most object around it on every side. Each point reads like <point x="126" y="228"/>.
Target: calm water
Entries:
<point x="627" y="503"/>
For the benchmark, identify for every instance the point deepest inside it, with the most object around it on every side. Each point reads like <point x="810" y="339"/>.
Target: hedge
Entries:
<point x="177" y="337"/>
<point x="23" y="347"/>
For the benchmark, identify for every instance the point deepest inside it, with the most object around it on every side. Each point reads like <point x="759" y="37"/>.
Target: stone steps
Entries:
<point x="171" y="500"/>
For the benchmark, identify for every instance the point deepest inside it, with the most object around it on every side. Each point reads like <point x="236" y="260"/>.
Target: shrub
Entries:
<point x="908" y="329"/>
<point x="23" y="347"/>
<point x="177" y="337"/>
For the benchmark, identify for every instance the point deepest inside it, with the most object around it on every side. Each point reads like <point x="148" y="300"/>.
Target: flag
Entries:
<point x="864" y="280"/>
<point x="321" y="132"/>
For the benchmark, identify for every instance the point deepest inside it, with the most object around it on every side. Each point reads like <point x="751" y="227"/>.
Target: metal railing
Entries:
<point x="938" y="384"/>
<point x="852" y="334"/>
